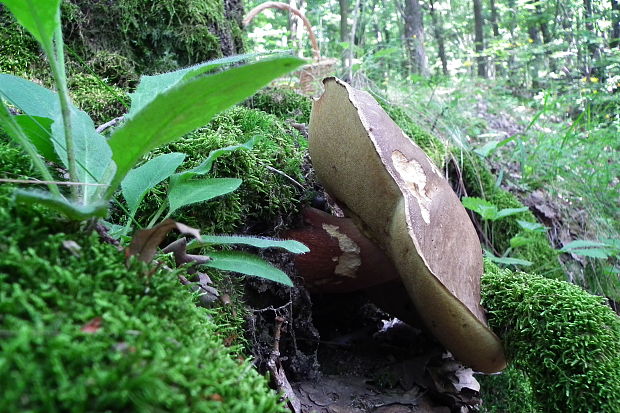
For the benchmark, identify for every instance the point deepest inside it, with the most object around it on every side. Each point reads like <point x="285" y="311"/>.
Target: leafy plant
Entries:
<point x="489" y="212"/>
<point x="163" y="108"/>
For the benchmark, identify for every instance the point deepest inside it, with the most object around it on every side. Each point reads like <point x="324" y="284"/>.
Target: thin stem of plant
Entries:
<point x="49" y="182"/>
<point x="22" y="139"/>
<point x="57" y="64"/>
<point x="161" y="209"/>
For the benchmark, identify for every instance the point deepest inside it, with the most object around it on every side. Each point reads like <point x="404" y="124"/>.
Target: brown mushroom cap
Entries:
<point x="401" y="200"/>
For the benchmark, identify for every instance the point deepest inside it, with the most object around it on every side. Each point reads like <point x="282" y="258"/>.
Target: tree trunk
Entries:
<point x="414" y="38"/>
<point x="479" y="39"/>
<point x="344" y="28"/>
<point x="495" y="27"/>
<point x="438" y="29"/>
<point x="593" y="50"/>
<point x="614" y="40"/>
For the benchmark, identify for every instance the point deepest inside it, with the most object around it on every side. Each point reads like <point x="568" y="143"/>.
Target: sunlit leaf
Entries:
<point x="68" y="208"/>
<point x="40" y="17"/>
<point x="187" y="106"/>
<point x="144" y="178"/>
<point x="259" y="242"/>
<point x="184" y="192"/>
<point x="248" y="264"/>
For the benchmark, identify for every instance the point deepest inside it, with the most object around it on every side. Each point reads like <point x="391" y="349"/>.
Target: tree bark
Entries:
<point x="414" y="38"/>
<point x="593" y="50"/>
<point x="614" y="40"/>
<point x="479" y="39"/>
<point x="495" y="27"/>
<point x="438" y="29"/>
<point x="344" y="27"/>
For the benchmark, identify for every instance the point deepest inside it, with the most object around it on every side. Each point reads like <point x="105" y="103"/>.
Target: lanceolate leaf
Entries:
<point x="510" y="211"/>
<point x="188" y="106"/>
<point x="295" y="247"/>
<point x="205" y="166"/>
<point x="248" y="264"/>
<point x="481" y="206"/>
<point x="28" y="96"/>
<point x="92" y="152"/>
<point x="40" y="17"/>
<point x="39" y="132"/>
<point x="184" y="192"/>
<point x="151" y="86"/>
<point x="60" y="204"/>
<point x="144" y="178"/>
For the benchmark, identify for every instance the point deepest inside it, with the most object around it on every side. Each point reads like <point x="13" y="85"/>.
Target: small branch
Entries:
<point x="109" y="124"/>
<point x="272" y="169"/>
<point x="275" y="367"/>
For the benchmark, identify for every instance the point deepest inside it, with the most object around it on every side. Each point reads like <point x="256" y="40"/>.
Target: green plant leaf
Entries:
<point x="293" y="246"/>
<point x="39" y="132"/>
<point x="40" y="17"/>
<point x="248" y="264"/>
<point x="92" y="152"/>
<point x="70" y="209"/>
<point x="144" y="178"/>
<point x="187" y="106"/>
<point x="508" y="260"/>
<point x="593" y="249"/>
<point x="519" y="241"/>
<point x="205" y="166"/>
<point x="506" y="212"/>
<point x="150" y="86"/>
<point x="29" y="97"/>
<point x="532" y="226"/>
<point x="481" y="206"/>
<point x="184" y="192"/>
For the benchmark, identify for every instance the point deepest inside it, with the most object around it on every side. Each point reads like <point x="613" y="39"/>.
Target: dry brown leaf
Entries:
<point x="145" y="241"/>
<point x="92" y="326"/>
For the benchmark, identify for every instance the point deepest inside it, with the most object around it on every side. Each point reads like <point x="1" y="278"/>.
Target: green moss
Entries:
<point x="434" y="148"/>
<point x="19" y="52"/>
<point x="102" y="102"/>
<point x="284" y="103"/>
<point x="565" y="340"/>
<point x="509" y="391"/>
<point x="154" y="351"/>
<point x="264" y="196"/>
<point x="157" y="36"/>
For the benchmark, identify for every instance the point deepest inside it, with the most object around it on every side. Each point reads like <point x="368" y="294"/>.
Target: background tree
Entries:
<point x="479" y="39"/>
<point x="414" y="38"/>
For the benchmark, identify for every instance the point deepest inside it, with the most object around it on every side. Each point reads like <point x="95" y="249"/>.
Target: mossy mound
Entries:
<point x="156" y="36"/>
<point x="566" y="340"/>
<point x="265" y="196"/>
<point x="149" y="349"/>
<point x="434" y="148"/>
<point x="507" y="392"/>
<point x="284" y="103"/>
<point x="20" y="53"/>
<point x="101" y="101"/>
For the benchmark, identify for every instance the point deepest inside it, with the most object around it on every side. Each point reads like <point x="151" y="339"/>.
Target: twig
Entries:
<point x="275" y="367"/>
<point x="109" y="124"/>
<point x="26" y="181"/>
<point x="272" y="169"/>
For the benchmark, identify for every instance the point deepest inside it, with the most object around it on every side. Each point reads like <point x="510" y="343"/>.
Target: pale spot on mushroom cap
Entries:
<point x="350" y="261"/>
<point x="414" y="180"/>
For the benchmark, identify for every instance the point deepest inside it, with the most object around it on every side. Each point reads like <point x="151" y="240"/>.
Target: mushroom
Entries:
<point x="396" y="196"/>
<point x="341" y="258"/>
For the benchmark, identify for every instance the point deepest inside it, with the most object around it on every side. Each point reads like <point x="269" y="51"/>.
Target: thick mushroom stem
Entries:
<point x="401" y="199"/>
